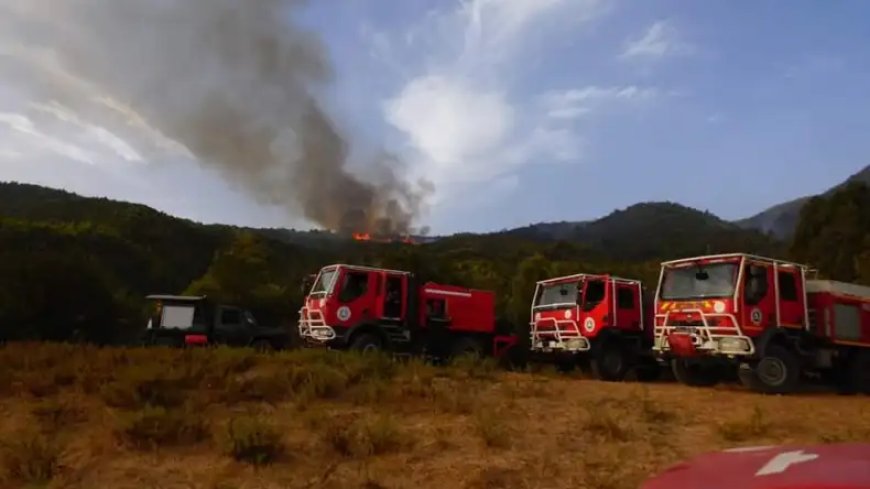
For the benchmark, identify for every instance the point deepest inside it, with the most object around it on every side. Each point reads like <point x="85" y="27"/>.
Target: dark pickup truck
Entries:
<point x="195" y="320"/>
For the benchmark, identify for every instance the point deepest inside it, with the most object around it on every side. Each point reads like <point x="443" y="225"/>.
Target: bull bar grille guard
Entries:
<point x="566" y="336"/>
<point x="705" y="338"/>
<point x="313" y="326"/>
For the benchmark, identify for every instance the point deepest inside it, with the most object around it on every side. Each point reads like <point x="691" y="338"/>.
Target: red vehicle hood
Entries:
<point x="839" y="466"/>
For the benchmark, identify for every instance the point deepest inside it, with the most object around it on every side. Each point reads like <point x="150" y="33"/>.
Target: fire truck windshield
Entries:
<point x="554" y="294"/>
<point x="696" y="282"/>
<point x="324" y="281"/>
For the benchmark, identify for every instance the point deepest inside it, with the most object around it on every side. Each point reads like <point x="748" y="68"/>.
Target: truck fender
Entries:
<point x="769" y="337"/>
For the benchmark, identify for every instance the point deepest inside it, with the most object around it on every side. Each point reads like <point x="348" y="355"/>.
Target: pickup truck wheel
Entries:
<point x="262" y="345"/>
<point x="695" y="374"/>
<point x="366" y="343"/>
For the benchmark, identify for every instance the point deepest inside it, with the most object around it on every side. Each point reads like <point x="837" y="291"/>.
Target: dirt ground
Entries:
<point x="75" y="417"/>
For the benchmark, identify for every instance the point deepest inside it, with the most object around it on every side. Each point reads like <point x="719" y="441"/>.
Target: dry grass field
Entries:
<point x="80" y="417"/>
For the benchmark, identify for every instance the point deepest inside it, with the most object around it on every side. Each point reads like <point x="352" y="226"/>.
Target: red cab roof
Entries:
<point x="731" y="256"/>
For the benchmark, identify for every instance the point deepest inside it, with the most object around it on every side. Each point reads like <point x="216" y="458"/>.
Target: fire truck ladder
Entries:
<point x="565" y="335"/>
<point x="312" y="325"/>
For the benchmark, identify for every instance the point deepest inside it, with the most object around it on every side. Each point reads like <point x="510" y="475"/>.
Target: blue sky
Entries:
<point x="542" y="110"/>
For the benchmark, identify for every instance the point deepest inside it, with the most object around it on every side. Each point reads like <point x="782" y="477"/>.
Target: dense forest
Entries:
<point x="75" y="268"/>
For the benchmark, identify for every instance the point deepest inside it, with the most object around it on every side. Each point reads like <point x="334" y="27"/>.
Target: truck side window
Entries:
<point x="756" y="284"/>
<point x="231" y="316"/>
<point x="624" y="298"/>
<point x="356" y="284"/>
<point x="594" y="294"/>
<point x="787" y="286"/>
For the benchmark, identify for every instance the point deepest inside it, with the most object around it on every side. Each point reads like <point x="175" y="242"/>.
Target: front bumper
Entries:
<point x="570" y="345"/>
<point x="694" y="342"/>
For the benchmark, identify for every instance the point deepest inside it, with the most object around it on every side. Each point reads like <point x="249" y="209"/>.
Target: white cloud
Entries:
<point x="450" y="121"/>
<point x="660" y="39"/>
<point x="575" y="103"/>
<point x="463" y="121"/>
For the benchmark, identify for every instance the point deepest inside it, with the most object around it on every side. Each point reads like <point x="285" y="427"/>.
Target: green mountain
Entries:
<point x="781" y="220"/>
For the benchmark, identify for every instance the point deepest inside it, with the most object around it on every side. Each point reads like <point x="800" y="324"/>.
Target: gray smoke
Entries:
<point x="233" y="81"/>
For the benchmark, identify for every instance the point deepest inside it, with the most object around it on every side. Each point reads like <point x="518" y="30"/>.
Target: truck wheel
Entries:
<point x="778" y="371"/>
<point x="695" y="374"/>
<point x="262" y="346"/>
<point x="466" y="346"/>
<point x="366" y="343"/>
<point x="610" y="363"/>
<point x="859" y="374"/>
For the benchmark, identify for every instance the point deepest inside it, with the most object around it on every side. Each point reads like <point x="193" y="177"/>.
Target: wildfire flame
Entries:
<point x="369" y="237"/>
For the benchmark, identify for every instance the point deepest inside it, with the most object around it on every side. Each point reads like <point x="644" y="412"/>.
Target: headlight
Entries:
<point x="734" y="344"/>
<point x="574" y="344"/>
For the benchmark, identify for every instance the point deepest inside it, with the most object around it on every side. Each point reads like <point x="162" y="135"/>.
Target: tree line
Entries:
<point x="83" y="276"/>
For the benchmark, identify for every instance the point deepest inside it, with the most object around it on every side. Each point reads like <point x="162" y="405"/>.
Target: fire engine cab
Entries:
<point x="363" y="308"/>
<point x="765" y="317"/>
<point x="596" y="320"/>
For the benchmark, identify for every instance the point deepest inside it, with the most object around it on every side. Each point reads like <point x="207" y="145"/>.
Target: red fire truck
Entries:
<point x="599" y="320"/>
<point x="362" y="308"/>
<point x="765" y="317"/>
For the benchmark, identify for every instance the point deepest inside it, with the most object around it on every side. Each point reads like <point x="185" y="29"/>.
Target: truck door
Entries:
<point x="231" y="327"/>
<point x="758" y="309"/>
<point x="628" y="306"/>
<point x="791" y="297"/>
<point x="355" y="296"/>
<point x="394" y="298"/>
<point x="593" y="314"/>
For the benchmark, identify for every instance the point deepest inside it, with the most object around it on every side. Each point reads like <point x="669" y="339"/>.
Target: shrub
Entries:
<point x="607" y="426"/>
<point x="265" y="388"/>
<point x="55" y="415"/>
<point x="147" y="385"/>
<point x="152" y="427"/>
<point x="31" y="458"/>
<point x="754" y="426"/>
<point x="492" y="428"/>
<point x="252" y="440"/>
<point x="318" y="381"/>
<point x="364" y="437"/>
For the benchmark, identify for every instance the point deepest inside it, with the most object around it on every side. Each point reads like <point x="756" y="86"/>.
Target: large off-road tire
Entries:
<point x="611" y="362"/>
<point x="366" y="343"/>
<point x="466" y="346"/>
<point x="777" y="372"/>
<point x="694" y="374"/>
<point x="859" y="372"/>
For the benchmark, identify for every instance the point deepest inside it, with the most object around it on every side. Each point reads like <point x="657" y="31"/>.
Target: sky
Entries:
<point x="522" y="111"/>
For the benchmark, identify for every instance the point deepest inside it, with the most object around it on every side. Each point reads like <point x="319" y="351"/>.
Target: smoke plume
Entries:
<point x="235" y="82"/>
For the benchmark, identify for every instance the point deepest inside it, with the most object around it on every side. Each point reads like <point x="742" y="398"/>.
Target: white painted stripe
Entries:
<point x="447" y="292"/>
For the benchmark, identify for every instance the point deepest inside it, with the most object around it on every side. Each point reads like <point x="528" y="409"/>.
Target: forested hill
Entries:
<point x="70" y="264"/>
<point x="782" y="220"/>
